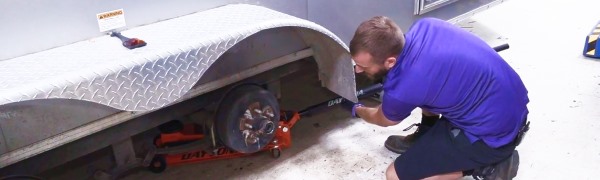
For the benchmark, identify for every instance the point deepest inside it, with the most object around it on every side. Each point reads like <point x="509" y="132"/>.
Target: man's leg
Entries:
<point x="440" y="153"/>
<point x="399" y="144"/>
<point x="445" y="148"/>
<point x="505" y="169"/>
<point x="391" y="174"/>
<point x="447" y="176"/>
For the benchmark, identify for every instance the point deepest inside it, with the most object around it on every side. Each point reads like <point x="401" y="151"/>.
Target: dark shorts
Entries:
<point x="444" y="149"/>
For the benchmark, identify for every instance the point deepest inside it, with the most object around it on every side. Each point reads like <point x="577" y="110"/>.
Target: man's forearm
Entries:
<point x="373" y="116"/>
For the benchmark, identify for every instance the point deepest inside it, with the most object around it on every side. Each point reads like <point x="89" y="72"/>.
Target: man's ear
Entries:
<point x="389" y="63"/>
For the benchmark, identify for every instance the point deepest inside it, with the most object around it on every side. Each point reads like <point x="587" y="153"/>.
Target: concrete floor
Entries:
<point x="546" y="39"/>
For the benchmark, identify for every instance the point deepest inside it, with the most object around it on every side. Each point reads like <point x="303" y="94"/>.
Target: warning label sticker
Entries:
<point x="111" y="20"/>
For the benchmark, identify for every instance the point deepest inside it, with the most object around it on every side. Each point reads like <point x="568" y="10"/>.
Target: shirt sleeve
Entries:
<point x="395" y="109"/>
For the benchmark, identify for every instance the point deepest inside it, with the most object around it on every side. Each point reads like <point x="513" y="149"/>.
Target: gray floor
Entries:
<point x="546" y="39"/>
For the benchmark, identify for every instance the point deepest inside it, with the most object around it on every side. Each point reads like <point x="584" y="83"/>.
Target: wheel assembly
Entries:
<point x="247" y="118"/>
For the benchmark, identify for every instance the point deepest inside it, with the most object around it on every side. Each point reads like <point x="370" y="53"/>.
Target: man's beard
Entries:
<point x="378" y="75"/>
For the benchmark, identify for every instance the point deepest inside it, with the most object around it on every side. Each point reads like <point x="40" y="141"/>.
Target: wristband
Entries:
<point x="354" y="115"/>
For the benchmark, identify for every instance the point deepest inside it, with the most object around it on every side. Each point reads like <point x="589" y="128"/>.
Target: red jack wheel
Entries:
<point x="158" y="164"/>
<point x="276" y="152"/>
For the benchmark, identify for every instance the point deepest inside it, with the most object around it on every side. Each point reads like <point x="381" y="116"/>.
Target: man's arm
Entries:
<point x="374" y="115"/>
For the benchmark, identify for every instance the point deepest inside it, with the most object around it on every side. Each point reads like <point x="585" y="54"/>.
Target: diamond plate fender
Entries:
<point x="178" y="53"/>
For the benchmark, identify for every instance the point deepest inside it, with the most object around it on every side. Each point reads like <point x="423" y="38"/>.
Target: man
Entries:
<point x="445" y="70"/>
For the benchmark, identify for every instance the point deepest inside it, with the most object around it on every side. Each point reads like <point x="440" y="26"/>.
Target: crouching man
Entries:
<point x="443" y="70"/>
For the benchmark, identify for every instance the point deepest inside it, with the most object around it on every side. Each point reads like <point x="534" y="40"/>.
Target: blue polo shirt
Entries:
<point x="452" y="72"/>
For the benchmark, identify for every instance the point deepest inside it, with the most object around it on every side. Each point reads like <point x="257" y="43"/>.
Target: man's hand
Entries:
<point x="350" y="107"/>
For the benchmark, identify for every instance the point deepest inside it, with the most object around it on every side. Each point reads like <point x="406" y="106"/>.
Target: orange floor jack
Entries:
<point x="183" y="145"/>
<point x="166" y="153"/>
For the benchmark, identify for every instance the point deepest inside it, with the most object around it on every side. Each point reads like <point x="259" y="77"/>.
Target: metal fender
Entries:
<point x="178" y="53"/>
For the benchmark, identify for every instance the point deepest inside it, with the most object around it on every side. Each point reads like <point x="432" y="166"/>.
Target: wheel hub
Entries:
<point x="257" y="121"/>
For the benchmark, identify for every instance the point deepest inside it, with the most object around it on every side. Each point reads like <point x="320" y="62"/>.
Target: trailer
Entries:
<point x="79" y="76"/>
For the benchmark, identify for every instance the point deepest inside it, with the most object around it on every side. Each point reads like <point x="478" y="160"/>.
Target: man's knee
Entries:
<point x="390" y="174"/>
<point x="452" y="175"/>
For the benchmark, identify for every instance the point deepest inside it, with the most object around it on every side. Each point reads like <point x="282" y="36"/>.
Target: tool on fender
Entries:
<point x="129" y="43"/>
